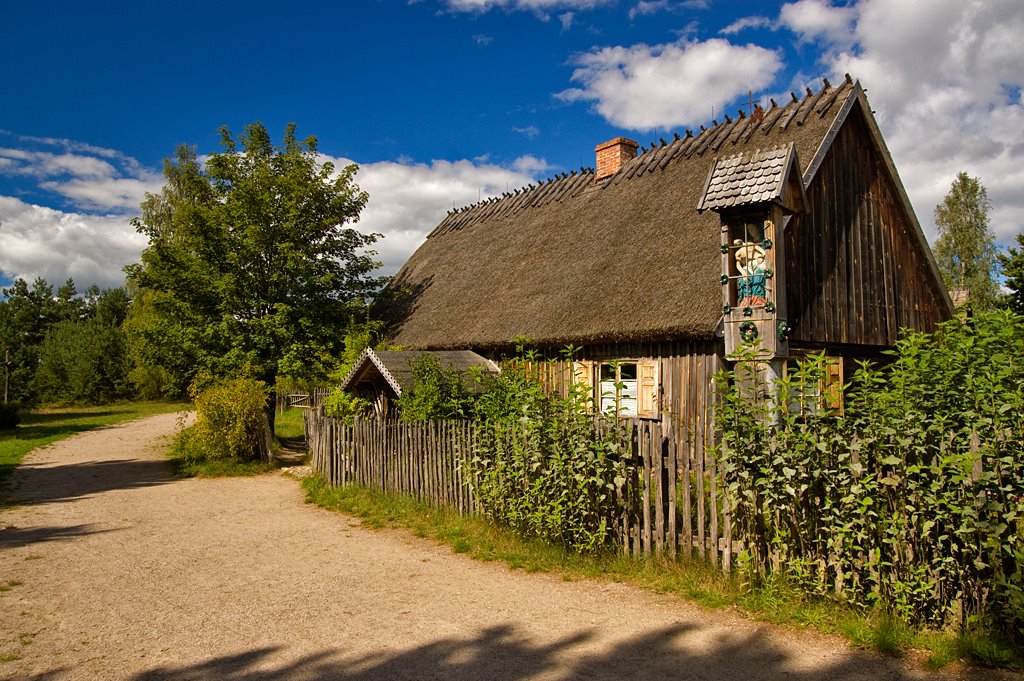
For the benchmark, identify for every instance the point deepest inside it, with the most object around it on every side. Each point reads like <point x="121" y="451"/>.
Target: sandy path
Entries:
<point x="123" y="572"/>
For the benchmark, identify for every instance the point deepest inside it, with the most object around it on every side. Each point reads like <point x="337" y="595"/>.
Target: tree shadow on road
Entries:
<point x="17" y="537"/>
<point x="36" y="484"/>
<point x="505" y="654"/>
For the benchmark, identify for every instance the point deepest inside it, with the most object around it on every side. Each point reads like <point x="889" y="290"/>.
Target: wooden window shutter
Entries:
<point x="833" y="388"/>
<point x="583" y="375"/>
<point x="647" y="389"/>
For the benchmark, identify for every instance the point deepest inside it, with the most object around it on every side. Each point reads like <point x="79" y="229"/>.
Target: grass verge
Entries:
<point x="44" y="426"/>
<point x="695" y="580"/>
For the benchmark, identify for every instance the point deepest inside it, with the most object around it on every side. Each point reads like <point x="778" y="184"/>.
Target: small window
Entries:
<point x="627" y="388"/>
<point x="825" y="394"/>
<point x="618" y="388"/>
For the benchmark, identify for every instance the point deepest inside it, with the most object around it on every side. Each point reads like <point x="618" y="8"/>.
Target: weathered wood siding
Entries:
<point x="686" y="394"/>
<point x="855" y="269"/>
<point x="686" y="372"/>
<point x="427" y="460"/>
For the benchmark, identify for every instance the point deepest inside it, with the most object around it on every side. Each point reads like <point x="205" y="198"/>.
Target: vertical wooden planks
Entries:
<point x="667" y="472"/>
<point x="645" y="453"/>
<point x="653" y="436"/>
<point x="726" y="527"/>
<point x="672" y="452"/>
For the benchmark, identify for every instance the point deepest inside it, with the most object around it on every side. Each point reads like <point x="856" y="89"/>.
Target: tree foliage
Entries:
<point x="25" y="316"/>
<point x="250" y="269"/>
<point x="85" y="360"/>
<point x="62" y="346"/>
<point x="1012" y="263"/>
<point x="966" y="249"/>
<point x="540" y="466"/>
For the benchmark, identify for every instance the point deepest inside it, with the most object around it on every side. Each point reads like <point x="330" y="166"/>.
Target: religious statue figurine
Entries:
<point x="752" y="282"/>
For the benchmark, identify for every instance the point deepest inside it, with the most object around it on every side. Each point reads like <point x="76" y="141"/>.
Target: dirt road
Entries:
<point x="113" y="569"/>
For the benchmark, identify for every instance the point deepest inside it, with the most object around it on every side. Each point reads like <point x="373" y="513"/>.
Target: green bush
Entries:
<point x="345" y="406"/>
<point x="436" y="394"/>
<point x="230" y="423"/>
<point x="911" y="500"/>
<point x="541" y="467"/>
<point x="9" y="417"/>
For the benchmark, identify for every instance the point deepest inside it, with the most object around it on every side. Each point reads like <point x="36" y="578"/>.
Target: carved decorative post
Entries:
<point x="753" y="192"/>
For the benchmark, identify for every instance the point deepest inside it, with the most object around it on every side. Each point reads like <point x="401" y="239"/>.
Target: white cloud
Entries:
<point x="43" y="164"/>
<point x="105" y="193"/>
<point x="531" y="166"/>
<point x="744" y="23"/>
<point x="90" y="241"/>
<point x="481" y="39"/>
<point x="645" y="8"/>
<point x="531" y="131"/>
<point x="566" y="20"/>
<point x="816" y="19"/>
<point x="91" y="178"/>
<point x="645" y="87"/>
<point x="539" y="7"/>
<point x="407" y="200"/>
<point x="945" y="78"/>
<point x="42" y="242"/>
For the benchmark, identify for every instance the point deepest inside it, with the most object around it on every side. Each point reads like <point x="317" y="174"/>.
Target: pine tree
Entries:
<point x="1013" y="270"/>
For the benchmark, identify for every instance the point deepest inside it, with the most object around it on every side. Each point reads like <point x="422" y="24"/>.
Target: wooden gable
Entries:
<point x="858" y="267"/>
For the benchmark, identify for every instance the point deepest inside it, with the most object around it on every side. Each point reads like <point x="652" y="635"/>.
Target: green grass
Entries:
<point x="774" y="601"/>
<point x="44" y="426"/>
<point x="288" y="425"/>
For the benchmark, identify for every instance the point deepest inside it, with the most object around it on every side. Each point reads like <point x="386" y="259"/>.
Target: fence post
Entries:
<point x="726" y="520"/>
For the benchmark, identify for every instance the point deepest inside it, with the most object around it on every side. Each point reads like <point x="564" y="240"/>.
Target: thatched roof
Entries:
<point x="626" y="258"/>
<point x="395" y="366"/>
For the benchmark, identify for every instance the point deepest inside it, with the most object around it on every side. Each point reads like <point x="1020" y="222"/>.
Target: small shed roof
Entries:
<point x="395" y="366"/>
<point x="750" y="177"/>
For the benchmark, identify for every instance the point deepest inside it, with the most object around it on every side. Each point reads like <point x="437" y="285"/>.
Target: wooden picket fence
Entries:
<point x="421" y="459"/>
<point x="671" y="503"/>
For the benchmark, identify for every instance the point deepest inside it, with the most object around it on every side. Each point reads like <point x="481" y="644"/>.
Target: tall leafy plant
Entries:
<point x="542" y="466"/>
<point x="913" y="497"/>
<point x="436" y="393"/>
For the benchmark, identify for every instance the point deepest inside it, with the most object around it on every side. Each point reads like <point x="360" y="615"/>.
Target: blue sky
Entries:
<point x="442" y="102"/>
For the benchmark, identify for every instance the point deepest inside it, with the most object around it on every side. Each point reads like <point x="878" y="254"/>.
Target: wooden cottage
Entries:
<point x="789" y="226"/>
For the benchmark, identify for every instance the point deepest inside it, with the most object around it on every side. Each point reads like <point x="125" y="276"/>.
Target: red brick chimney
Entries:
<point x="613" y="154"/>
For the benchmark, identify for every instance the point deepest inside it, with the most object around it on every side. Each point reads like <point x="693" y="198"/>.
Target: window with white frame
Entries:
<point x="822" y="390"/>
<point x="618" y="388"/>
<point x="626" y="387"/>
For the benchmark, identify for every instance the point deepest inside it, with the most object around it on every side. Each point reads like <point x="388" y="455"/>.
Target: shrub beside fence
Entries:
<point x="911" y="498"/>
